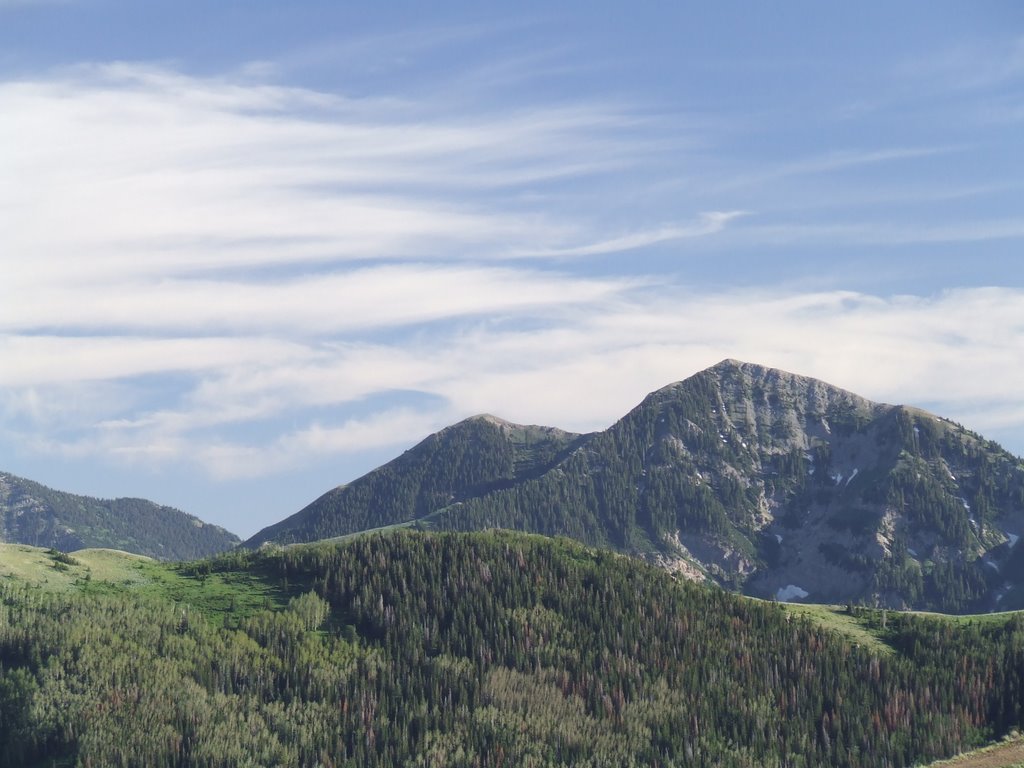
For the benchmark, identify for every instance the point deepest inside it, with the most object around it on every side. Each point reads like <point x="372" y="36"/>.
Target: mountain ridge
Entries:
<point x="778" y="484"/>
<point x="489" y="452"/>
<point x="34" y="514"/>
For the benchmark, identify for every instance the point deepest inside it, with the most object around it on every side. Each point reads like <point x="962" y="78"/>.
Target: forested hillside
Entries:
<point x="764" y="481"/>
<point x="33" y="514"/>
<point x="476" y="650"/>
<point x="472" y="458"/>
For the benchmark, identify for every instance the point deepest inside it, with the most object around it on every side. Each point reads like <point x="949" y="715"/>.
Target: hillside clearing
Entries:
<point x="836" y="619"/>
<point x="1004" y="755"/>
<point x="220" y="596"/>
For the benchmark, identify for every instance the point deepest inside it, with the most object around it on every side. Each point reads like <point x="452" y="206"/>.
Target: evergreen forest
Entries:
<point x="475" y="649"/>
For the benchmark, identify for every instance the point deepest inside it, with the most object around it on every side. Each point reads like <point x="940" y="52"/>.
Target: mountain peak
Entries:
<point x="737" y="378"/>
<point x="470" y="458"/>
<point x="727" y="363"/>
<point x="512" y="429"/>
<point x="488" y="418"/>
<point x="780" y="484"/>
<point x="731" y="365"/>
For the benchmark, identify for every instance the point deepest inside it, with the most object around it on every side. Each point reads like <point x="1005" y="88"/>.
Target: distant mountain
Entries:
<point x="779" y="485"/>
<point x="33" y="514"/>
<point x="473" y="458"/>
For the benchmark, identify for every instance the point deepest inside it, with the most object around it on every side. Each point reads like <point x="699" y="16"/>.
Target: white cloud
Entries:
<point x="232" y="276"/>
<point x="709" y="223"/>
<point x="311" y="304"/>
<point x="956" y="352"/>
<point x="232" y="460"/>
<point x="44" y="360"/>
<point x="119" y="170"/>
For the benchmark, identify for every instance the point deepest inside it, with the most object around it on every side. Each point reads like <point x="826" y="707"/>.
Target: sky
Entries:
<point x="251" y="250"/>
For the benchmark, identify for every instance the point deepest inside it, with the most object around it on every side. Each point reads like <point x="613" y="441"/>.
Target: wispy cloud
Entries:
<point x="322" y="304"/>
<point x="969" y="66"/>
<point x="830" y="163"/>
<point x="709" y="223"/>
<point x="289" y="450"/>
<point x="126" y="169"/>
<point x="233" y="276"/>
<point x="883" y="233"/>
<point x="955" y="351"/>
<point x="187" y="255"/>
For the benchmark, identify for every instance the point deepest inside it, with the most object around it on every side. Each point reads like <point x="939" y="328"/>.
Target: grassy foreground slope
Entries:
<point x="477" y="649"/>
<point x="113" y="573"/>
<point x="57" y="571"/>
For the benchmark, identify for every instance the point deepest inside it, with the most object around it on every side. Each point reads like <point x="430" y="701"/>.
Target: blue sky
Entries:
<point x="251" y="250"/>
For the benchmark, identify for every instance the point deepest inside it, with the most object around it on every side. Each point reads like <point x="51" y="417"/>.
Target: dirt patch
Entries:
<point x="999" y="756"/>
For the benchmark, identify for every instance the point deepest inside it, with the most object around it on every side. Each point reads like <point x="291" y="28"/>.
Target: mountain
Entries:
<point x="473" y="458"/>
<point x="761" y="480"/>
<point x="33" y="514"/>
<point x="480" y="649"/>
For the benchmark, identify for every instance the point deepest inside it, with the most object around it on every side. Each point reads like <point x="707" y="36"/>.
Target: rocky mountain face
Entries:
<point x="780" y="485"/>
<point x="39" y="516"/>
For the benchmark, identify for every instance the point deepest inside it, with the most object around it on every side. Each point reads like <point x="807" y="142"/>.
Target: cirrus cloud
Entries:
<point x="223" y="276"/>
<point x="580" y="371"/>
